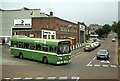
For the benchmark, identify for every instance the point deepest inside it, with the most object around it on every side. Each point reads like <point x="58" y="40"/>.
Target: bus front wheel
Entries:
<point x="45" y="60"/>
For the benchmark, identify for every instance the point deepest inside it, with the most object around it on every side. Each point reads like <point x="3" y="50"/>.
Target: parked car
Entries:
<point x="98" y="44"/>
<point x="93" y="45"/>
<point x="88" y="47"/>
<point x="113" y="39"/>
<point x="103" y="54"/>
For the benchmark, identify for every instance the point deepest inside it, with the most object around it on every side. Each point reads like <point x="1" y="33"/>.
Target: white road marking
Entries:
<point x="17" y="78"/>
<point x="75" y="78"/>
<point x="7" y="78"/>
<point x="51" y="77"/>
<point x="89" y="65"/>
<point x="78" y="78"/>
<point x="113" y="66"/>
<point x="39" y="77"/>
<point x="96" y="65"/>
<point x="105" y="66"/>
<point x="94" y="58"/>
<point x="28" y="78"/>
<point x="103" y="61"/>
<point x="63" y="78"/>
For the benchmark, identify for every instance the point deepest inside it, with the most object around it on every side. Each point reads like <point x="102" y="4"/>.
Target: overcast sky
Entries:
<point x="88" y="11"/>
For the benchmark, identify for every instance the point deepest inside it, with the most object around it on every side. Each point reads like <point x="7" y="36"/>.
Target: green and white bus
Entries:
<point x="46" y="50"/>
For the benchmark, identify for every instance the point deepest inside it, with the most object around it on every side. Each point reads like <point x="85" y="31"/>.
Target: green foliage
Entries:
<point x="99" y="31"/>
<point x="116" y="28"/>
<point x="106" y="29"/>
<point x="103" y="32"/>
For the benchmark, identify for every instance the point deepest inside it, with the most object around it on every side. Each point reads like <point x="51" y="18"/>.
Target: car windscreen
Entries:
<point x="102" y="52"/>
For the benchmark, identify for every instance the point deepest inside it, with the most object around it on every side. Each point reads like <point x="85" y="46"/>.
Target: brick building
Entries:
<point x="63" y="28"/>
<point x="54" y="28"/>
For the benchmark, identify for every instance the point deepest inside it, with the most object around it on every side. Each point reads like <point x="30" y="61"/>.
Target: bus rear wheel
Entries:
<point x="21" y="56"/>
<point x="45" y="60"/>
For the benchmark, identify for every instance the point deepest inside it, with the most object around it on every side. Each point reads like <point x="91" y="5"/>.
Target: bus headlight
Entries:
<point x="59" y="58"/>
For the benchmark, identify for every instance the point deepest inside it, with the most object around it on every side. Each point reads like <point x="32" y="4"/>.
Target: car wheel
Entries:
<point x="97" y="58"/>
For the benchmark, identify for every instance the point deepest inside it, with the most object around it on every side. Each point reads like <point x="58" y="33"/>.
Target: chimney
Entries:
<point x="51" y="13"/>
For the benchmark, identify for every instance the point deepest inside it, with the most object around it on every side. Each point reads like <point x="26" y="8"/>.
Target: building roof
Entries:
<point x="24" y="8"/>
<point x="54" y="18"/>
<point x="39" y="14"/>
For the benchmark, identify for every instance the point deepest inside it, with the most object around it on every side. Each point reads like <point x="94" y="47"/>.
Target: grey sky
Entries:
<point x="90" y="12"/>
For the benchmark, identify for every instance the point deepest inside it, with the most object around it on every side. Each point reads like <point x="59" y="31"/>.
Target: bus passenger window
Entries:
<point x="13" y="44"/>
<point x="45" y="48"/>
<point x="20" y="44"/>
<point x="38" y="47"/>
<point x="52" y="48"/>
<point x="31" y="46"/>
<point x="26" y="45"/>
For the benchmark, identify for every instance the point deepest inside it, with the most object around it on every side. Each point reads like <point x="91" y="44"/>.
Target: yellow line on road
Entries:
<point x="116" y="56"/>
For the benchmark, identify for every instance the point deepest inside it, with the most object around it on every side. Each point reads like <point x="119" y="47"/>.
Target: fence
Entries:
<point x="78" y="45"/>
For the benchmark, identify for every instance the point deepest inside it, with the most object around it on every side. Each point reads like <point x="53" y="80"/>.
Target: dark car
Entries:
<point x="103" y="54"/>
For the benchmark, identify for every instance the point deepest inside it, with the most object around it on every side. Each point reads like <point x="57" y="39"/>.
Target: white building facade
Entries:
<point x="16" y="20"/>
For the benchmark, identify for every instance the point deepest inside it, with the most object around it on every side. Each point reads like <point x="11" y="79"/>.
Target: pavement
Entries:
<point x="77" y="51"/>
<point x="119" y="52"/>
<point x="119" y="58"/>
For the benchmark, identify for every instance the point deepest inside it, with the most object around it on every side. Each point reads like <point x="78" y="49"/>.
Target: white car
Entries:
<point x="97" y="43"/>
<point x="93" y="45"/>
<point x="88" y="47"/>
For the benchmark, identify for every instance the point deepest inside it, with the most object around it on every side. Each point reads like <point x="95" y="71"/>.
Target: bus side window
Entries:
<point x="38" y="47"/>
<point x="17" y="44"/>
<point x="45" y="48"/>
<point x="26" y="45"/>
<point x="21" y="44"/>
<point x="13" y="44"/>
<point x="52" y="49"/>
<point x="32" y="46"/>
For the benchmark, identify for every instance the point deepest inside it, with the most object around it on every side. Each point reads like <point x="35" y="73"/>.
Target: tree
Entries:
<point x="99" y="31"/>
<point x="116" y="28"/>
<point x="106" y="29"/>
